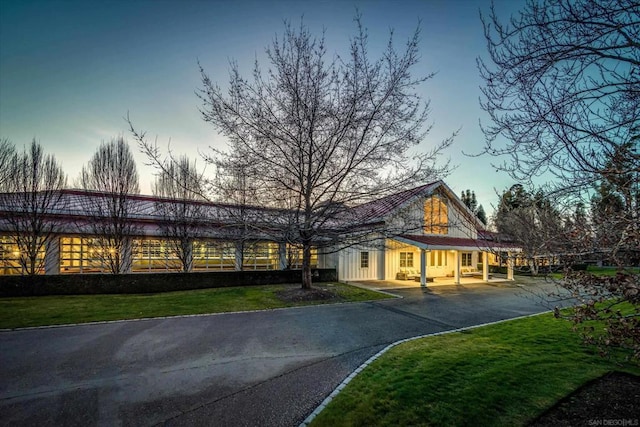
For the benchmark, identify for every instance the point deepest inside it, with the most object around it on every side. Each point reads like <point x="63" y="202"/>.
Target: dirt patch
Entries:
<point x="298" y="294"/>
<point x="611" y="400"/>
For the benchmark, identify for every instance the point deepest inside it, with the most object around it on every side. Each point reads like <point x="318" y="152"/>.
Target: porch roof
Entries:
<point x="455" y="243"/>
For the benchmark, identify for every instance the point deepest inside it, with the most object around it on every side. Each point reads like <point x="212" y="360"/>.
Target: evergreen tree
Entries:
<point x="481" y="214"/>
<point x="469" y="199"/>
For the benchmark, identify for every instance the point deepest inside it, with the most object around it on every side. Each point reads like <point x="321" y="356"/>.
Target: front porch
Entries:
<point x="381" y="285"/>
<point x="446" y="260"/>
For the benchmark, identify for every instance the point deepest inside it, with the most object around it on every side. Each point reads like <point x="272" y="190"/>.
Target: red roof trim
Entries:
<point x="456" y="242"/>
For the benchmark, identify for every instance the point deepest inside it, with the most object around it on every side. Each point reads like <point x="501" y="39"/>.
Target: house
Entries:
<point x="417" y="234"/>
<point x="429" y="233"/>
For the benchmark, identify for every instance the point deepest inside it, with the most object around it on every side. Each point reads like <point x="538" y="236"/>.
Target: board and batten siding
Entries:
<point x="411" y="219"/>
<point x="459" y="224"/>
<point x="349" y="264"/>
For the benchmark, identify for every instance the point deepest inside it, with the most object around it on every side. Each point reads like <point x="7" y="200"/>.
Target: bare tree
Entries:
<point x="7" y="161"/>
<point x="238" y="200"/>
<point x="34" y="197"/>
<point x="179" y="184"/>
<point x="236" y="189"/>
<point x="112" y="175"/>
<point x="563" y="87"/>
<point x="326" y="132"/>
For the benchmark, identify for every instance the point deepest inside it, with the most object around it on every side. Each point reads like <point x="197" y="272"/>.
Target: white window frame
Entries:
<point x="364" y="259"/>
<point x="466" y="259"/>
<point x="406" y="259"/>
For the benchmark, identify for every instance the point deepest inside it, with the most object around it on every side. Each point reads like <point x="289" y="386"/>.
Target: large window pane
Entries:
<point x="435" y="216"/>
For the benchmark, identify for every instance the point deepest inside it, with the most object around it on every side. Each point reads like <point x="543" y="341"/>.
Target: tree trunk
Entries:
<point x="306" y="266"/>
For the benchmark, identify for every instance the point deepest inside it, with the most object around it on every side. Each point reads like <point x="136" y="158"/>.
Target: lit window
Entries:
<point x="213" y="255"/>
<point x="294" y="256"/>
<point x="364" y="259"/>
<point x="437" y="258"/>
<point x="435" y="216"/>
<point x="466" y="259"/>
<point x="406" y="259"/>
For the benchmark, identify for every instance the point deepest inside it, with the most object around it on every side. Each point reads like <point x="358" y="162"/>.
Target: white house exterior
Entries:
<point x="436" y="236"/>
<point x="421" y="233"/>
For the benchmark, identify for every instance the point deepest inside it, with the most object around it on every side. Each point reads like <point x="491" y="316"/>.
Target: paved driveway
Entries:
<point x="267" y="368"/>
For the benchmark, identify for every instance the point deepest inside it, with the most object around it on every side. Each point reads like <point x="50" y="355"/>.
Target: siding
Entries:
<point x="410" y="220"/>
<point x="349" y="264"/>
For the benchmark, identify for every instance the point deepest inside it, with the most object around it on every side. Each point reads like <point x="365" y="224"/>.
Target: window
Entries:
<point x="9" y="256"/>
<point x="364" y="259"/>
<point x="466" y="259"/>
<point x="155" y="255"/>
<point x="406" y="259"/>
<point x="438" y="258"/>
<point x="82" y="255"/>
<point x="294" y="256"/>
<point x="435" y="216"/>
<point x="260" y="256"/>
<point x="213" y="255"/>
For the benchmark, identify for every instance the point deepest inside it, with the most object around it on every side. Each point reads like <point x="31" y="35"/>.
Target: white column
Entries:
<point x="52" y="256"/>
<point x="423" y="268"/>
<point x="485" y="266"/>
<point x="282" y="256"/>
<point x="239" y="256"/>
<point x="126" y="255"/>
<point x="456" y="270"/>
<point x="509" y="266"/>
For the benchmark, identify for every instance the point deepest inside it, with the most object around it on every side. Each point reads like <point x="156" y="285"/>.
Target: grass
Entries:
<point x="502" y="375"/>
<point x="600" y="271"/>
<point x="609" y="271"/>
<point x="57" y="310"/>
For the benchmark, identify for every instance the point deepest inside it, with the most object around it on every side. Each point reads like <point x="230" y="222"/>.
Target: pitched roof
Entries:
<point x="377" y="209"/>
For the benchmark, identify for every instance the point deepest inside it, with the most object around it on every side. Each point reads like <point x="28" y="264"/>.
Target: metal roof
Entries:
<point x="454" y="243"/>
<point x="376" y="210"/>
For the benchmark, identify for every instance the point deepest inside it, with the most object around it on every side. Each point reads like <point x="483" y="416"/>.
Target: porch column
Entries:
<point x="423" y="268"/>
<point x="509" y="266"/>
<point x="485" y="266"/>
<point x="456" y="270"/>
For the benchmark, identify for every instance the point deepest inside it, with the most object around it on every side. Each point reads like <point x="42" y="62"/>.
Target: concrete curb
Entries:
<point x="360" y="368"/>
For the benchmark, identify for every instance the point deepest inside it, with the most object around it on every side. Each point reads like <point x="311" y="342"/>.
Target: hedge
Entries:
<point x="525" y="270"/>
<point x="82" y="284"/>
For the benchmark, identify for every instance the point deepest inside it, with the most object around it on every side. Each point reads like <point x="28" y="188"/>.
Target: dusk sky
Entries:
<point x="71" y="70"/>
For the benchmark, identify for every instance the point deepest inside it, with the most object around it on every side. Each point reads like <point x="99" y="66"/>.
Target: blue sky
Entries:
<point x="71" y="70"/>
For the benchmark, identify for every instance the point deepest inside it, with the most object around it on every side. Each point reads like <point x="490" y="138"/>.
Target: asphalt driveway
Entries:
<point x="269" y="368"/>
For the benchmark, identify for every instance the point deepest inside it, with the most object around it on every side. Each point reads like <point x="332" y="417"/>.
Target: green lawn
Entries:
<point x="600" y="271"/>
<point x="56" y="310"/>
<point x="609" y="271"/>
<point x="499" y="375"/>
